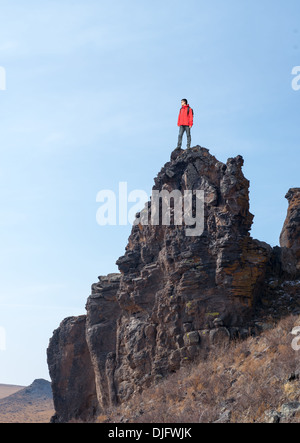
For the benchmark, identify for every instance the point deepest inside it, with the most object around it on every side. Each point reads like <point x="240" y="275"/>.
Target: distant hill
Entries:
<point x="31" y="404"/>
<point x="6" y="390"/>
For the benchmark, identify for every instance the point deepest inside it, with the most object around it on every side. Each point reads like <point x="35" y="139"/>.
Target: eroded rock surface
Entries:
<point x="71" y="372"/>
<point x="176" y="295"/>
<point x="290" y="234"/>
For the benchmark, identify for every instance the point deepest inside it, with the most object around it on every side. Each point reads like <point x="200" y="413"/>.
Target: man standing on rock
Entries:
<point x="185" y="122"/>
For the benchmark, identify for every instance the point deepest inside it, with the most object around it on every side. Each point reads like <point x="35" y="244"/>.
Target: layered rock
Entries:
<point x="71" y="372"/>
<point x="180" y="290"/>
<point x="103" y="312"/>
<point x="290" y="234"/>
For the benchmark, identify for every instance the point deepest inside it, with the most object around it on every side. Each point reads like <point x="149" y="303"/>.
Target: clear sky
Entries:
<point x="93" y="90"/>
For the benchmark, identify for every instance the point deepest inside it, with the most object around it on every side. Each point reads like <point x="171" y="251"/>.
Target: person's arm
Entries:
<point x="191" y="118"/>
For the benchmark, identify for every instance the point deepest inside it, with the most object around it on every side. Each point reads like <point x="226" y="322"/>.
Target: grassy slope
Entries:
<point x="239" y="383"/>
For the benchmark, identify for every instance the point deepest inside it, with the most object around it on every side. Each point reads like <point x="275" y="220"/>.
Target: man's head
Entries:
<point x="184" y="102"/>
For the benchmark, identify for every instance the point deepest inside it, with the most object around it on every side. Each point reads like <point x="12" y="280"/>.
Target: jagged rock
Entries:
<point x="176" y="295"/>
<point x="103" y="312"/>
<point x="290" y="234"/>
<point x="71" y="372"/>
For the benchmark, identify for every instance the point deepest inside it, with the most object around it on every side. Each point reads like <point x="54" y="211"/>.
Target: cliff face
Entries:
<point x="71" y="372"/>
<point x="179" y="291"/>
<point x="290" y="234"/>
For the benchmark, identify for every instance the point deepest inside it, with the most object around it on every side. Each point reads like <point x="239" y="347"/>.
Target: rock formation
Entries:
<point x="177" y="293"/>
<point x="290" y="234"/>
<point x="71" y="372"/>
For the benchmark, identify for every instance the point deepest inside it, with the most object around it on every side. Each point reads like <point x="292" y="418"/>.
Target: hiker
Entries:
<point x="185" y="122"/>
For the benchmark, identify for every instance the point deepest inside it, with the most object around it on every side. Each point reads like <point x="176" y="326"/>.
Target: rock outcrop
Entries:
<point x="71" y="372"/>
<point x="180" y="290"/>
<point x="290" y="234"/>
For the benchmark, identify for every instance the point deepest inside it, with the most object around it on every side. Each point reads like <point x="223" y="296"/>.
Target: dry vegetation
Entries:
<point x="245" y="382"/>
<point x="35" y="413"/>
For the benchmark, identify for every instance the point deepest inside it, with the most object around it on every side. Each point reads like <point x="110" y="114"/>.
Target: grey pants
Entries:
<point x="187" y="129"/>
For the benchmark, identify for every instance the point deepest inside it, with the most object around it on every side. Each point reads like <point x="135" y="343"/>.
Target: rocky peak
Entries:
<point x="176" y="294"/>
<point x="290" y="234"/>
<point x="214" y="258"/>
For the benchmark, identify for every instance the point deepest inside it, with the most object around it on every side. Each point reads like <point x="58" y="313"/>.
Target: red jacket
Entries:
<point x="185" y="117"/>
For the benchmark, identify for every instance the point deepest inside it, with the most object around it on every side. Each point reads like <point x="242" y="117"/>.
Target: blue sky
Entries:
<point x="92" y="95"/>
